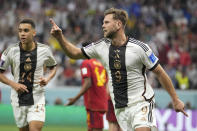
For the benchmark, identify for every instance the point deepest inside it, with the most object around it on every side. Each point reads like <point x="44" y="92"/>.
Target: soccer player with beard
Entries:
<point x="27" y="60"/>
<point x="126" y="60"/>
<point x="94" y="80"/>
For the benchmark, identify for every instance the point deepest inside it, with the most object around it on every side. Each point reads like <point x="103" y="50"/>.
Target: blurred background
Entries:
<point x="169" y="27"/>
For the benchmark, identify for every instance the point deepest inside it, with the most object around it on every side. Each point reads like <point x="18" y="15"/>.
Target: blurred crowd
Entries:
<point x="169" y="27"/>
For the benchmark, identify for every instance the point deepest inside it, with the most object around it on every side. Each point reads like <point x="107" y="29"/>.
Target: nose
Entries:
<point x="103" y="26"/>
<point x="22" y="33"/>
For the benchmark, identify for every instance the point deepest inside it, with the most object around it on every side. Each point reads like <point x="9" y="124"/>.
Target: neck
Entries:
<point x="119" y="39"/>
<point x="28" y="46"/>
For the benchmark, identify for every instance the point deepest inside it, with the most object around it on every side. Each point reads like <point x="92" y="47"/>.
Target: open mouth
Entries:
<point x="23" y="39"/>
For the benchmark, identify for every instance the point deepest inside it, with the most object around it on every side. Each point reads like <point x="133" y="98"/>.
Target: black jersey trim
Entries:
<point x="51" y="67"/>
<point x="117" y="65"/>
<point x="84" y="53"/>
<point x="141" y="44"/>
<point x="143" y="73"/>
<point x="101" y="40"/>
<point x="154" y="66"/>
<point x="28" y="64"/>
<point x="150" y="114"/>
<point x="2" y="71"/>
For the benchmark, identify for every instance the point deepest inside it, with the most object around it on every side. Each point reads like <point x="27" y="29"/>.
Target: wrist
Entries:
<point x="11" y="83"/>
<point x="175" y="99"/>
<point x="59" y="37"/>
<point x="48" y="79"/>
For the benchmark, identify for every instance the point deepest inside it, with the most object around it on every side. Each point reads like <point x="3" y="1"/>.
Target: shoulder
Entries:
<point x="11" y="48"/>
<point x="43" y="48"/>
<point x="41" y="45"/>
<point x="102" y="41"/>
<point x="138" y="44"/>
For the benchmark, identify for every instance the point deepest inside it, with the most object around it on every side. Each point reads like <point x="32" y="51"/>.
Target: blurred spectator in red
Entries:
<point x="173" y="57"/>
<point x="185" y="59"/>
<point x="70" y="75"/>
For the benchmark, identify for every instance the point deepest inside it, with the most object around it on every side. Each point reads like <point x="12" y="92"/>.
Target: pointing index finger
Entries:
<point x="52" y="22"/>
<point x="184" y="113"/>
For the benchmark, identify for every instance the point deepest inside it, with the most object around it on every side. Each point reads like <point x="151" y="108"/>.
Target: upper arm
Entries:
<point x="158" y="70"/>
<point x="5" y="60"/>
<point x="50" y="61"/>
<point x="81" y="54"/>
<point x="87" y="82"/>
<point x="85" y="70"/>
<point x="148" y="57"/>
<point x="90" y="51"/>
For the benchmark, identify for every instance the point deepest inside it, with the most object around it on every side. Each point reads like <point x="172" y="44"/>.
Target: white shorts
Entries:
<point x="25" y="114"/>
<point x="139" y="115"/>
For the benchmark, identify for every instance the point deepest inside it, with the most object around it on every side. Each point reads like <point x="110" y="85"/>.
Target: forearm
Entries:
<point x="85" y="87"/>
<point x="5" y="80"/>
<point x="82" y="91"/>
<point x="166" y="82"/>
<point x="51" y="73"/>
<point x="71" y="50"/>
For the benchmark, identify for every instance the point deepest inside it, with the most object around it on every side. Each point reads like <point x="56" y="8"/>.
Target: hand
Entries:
<point x="179" y="106"/>
<point x="71" y="101"/>
<point x="20" y="88"/>
<point x="43" y="81"/>
<point x="55" y="30"/>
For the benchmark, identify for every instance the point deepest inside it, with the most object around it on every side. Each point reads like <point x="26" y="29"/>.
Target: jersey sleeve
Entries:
<point x="5" y="60"/>
<point x="148" y="58"/>
<point x="85" y="70"/>
<point x="90" y="51"/>
<point x="50" y="61"/>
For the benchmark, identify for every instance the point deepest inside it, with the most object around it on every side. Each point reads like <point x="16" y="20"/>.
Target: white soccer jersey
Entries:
<point x="27" y="68"/>
<point x="126" y="67"/>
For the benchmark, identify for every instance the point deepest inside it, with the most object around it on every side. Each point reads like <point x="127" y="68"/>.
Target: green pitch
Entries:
<point x="46" y="128"/>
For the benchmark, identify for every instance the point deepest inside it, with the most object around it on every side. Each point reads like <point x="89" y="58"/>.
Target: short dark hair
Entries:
<point x="28" y="21"/>
<point x="118" y="14"/>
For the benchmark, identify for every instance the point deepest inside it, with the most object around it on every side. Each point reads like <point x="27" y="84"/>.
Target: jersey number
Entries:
<point x="101" y="77"/>
<point x="28" y="77"/>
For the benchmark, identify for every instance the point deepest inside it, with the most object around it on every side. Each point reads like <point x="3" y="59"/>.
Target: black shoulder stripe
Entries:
<point x="99" y="41"/>
<point x="51" y="67"/>
<point x="154" y="66"/>
<point x="84" y="53"/>
<point x="141" y="44"/>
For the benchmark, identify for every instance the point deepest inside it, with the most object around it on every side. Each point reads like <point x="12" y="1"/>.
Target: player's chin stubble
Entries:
<point x="110" y="35"/>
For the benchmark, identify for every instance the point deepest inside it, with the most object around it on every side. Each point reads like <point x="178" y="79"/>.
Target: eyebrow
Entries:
<point x="23" y="29"/>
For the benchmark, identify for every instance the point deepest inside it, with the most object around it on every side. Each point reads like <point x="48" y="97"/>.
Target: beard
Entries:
<point x="111" y="34"/>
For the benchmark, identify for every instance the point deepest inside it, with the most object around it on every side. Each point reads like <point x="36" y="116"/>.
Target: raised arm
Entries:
<point x="167" y="84"/>
<point x="70" y="49"/>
